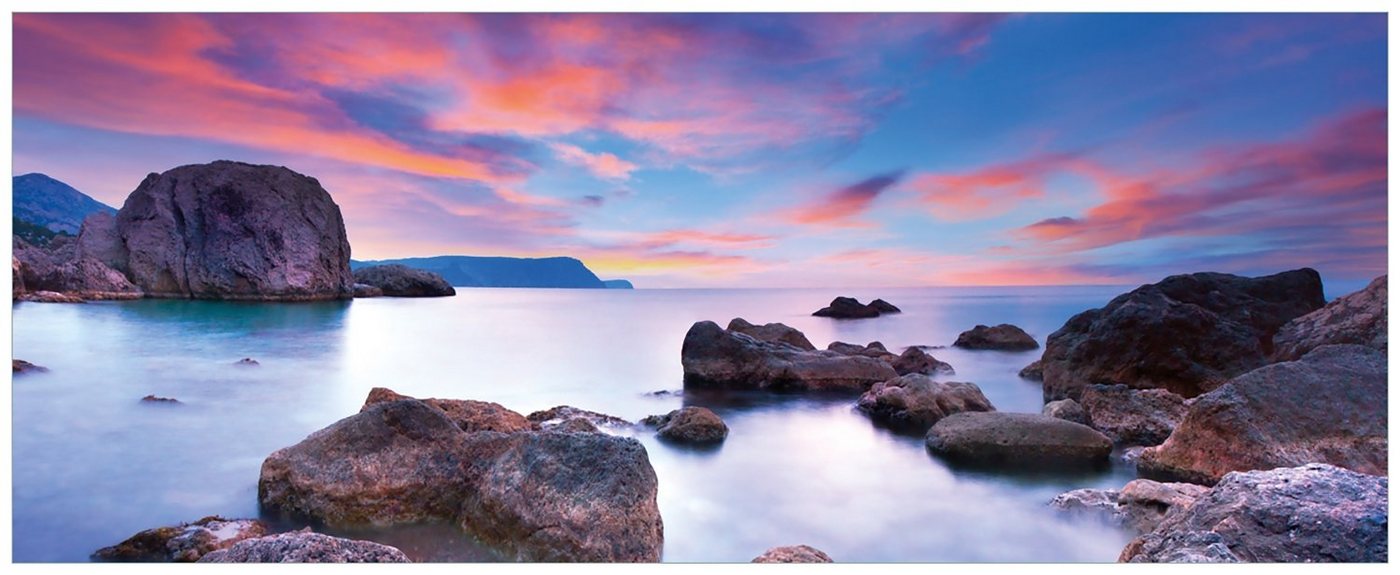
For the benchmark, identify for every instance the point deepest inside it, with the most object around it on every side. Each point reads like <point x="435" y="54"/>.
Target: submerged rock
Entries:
<point x="21" y="367"/>
<point x="1313" y="513"/>
<point x="165" y="400"/>
<point x="1005" y="337"/>
<point x="1066" y="409"/>
<point x="847" y="308"/>
<point x="692" y="424"/>
<point x="397" y="280"/>
<point x="1132" y="416"/>
<point x="468" y="414"/>
<point x="793" y="554"/>
<point x="1017" y="440"/>
<point x="1328" y="407"/>
<point x="913" y="403"/>
<point x="247" y="362"/>
<point x="771" y="332"/>
<point x="1358" y="318"/>
<point x="185" y="542"/>
<point x="305" y="547"/>
<point x="1187" y="334"/>
<point x="1140" y="506"/>
<point x="714" y="357"/>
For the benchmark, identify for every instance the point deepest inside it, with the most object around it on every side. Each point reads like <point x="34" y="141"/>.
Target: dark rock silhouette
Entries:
<point x="714" y="357"/>
<point x="475" y="271"/>
<point x="847" y="308"/>
<point x="394" y="280"/>
<point x="22" y="367"/>
<point x="1005" y="337"/>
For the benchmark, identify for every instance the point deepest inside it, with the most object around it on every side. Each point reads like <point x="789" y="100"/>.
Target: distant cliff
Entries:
<point x="617" y="284"/>
<point x="472" y="271"/>
<point x="46" y="202"/>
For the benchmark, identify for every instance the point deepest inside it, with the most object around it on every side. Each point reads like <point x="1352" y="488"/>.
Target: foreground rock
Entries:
<point x="1132" y="416"/>
<point x="1139" y="506"/>
<point x="21" y="367"/>
<point x="1358" y="318"/>
<point x="772" y="332"/>
<point x="396" y="280"/>
<point x="184" y="542"/>
<point x="1187" y="334"/>
<point x="847" y="308"/>
<point x="468" y="414"/>
<point x="305" y="547"/>
<point x="1313" y="513"/>
<point x="793" y="554"/>
<point x="1328" y="407"/>
<point x="913" y="403"/>
<point x="1017" y="440"/>
<point x="714" y="357"/>
<point x="692" y="424"/>
<point x="567" y="418"/>
<point x="1004" y="337"/>
<point x="64" y="272"/>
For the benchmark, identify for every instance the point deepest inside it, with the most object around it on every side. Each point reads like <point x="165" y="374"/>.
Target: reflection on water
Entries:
<point x="92" y="464"/>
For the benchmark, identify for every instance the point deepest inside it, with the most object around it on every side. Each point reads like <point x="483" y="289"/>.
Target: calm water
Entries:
<point x="92" y="465"/>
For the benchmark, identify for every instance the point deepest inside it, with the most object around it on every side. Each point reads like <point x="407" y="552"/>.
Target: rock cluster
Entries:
<point x="913" y="403"/>
<point x="1139" y="506"/>
<point x="851" y="308"/>
<point x="913" y="360"/>
<point x="714" y="357"/>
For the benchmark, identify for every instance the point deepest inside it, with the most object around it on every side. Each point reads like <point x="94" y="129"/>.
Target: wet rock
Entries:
<point x="1033" y="372"/>
<point x="468" y="414"/>
<point x="1313" y="513"/>
<point x="1328" y="407"/>
<point x="21" y="367"/>
<point x="847" y="308"/>
<point x="1017" y="440"/>
<point x="397" y="280"/>
<point x="1187" y="334"/>
<point x="1132" y="416"/>
<point x="771" y="332"/>
<point x="1358" y="318"/>
<point x="696" y="425"/>
<point x="366" y="290"/>
<point x="915" y="360"/>
<point x="247" y="362"/>
<point x="914" y="403"/>
<point x="793" y="554"/>
<point x="714" y="357"/>
<point x="564" y="416"/>
<point x="1138" y="507"/>
<point x="1004" y="337"/>
<point x="185" y="542"/>
<point x="164" y="400"/>
<point x="1066" y="409"/>
<point x="305" y="547"/>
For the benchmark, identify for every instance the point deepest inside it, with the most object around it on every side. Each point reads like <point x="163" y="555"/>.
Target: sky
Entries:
<point x="757" y="150"/>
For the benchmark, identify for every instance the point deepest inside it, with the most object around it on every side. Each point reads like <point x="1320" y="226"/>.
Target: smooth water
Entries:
<point x="93" y="465"/>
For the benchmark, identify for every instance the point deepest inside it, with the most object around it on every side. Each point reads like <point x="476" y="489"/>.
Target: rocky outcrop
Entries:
<point x="1132" y="416"/>
<point x="1066" y="409"/>
<point x="305" y="547"/>
<point x="396" y="280"/>
<point x="1004" y="337"/>
<point x="366" y="290"/>
<point x="1358" y="318"/>
<point x="468" y="414"/>
<point x="22" y="367"/>
<point x="1139" y="506"/>
<point x="185" y="542"/>
<point x="917" y="361"/>
<point x="568" y="418"/>
<point x="51" y="297"/>
<point x="714" y="357"/>
<point x="771" y="332"/>
<point x="1313" y="513"/>
<point x="1187" y="334"/>
<point x="1328" y="407"/>
<point x="1033" y="371"/>
<point x="847" y="308"/>
<point x="913" y="403"/>
<point x="160" y="400"/>
<point x="1017" y="440"/>
<point x="691" y="424"/>
<point x="793" y="554"/>
<point x="64" y="272"/>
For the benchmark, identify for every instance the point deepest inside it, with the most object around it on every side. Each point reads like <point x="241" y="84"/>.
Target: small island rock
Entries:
<point x="185" y="542"/>
<point x="397" y="280"/>
<point x="691" y="424"/>
<point x="1004" y="337"/>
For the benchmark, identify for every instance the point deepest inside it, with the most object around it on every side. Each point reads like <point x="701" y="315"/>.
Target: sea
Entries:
<point x="93" y="464"/>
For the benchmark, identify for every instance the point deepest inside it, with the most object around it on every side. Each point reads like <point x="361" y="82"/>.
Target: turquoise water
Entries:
<point x="93" y="465"/>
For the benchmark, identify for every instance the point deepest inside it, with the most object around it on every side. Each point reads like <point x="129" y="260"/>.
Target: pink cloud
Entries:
<point x="841" y="208"/>
<point x="604" y="165"/>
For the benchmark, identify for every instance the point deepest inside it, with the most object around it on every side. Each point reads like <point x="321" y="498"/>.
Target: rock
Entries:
<point x="17" y="278"/>
<point x="873" y="349"/>
<point x="247" y="362"/>
<point x="1004" y="337"/>
<point x="696" y="425"/>
<point x="1033" y="372"/>
<point x="1131" y="455"/>
<point x="305" y="547"/>
<point x="771" y="332"/>
<point x="563" y="417"/>
<point x="397" y="280"/>
<point x="1313" y="513"/>
<point x="913" y="403"/>
<point x="229" y="230"/>
<point x="576" y="425"/>
<point x="1132" y="416"/>
<point x="64" y="267"/>
<point x="847" y="308"/>
<point x="1066" y="409"/>
<point x="1328" y="407"/>
<point x="1187" y="334"/>
<point x="1358" y="318"/>
<point x="154" y="399"/>
<point x="44" y="296"/>
<point x="793" y="554"/>
<point x="366" y="290"/>
<point x="1139" y="507"/>
<point x="915" y="360"/>
<point x="713" y="357"/>
<point x="469" y="415"/>
<point x="185" y="542"/>
<point x="551" y="497"/>
<point x="21" y="367"/>
<point x="1017" y="440"/>
<point x="883" y="306"/>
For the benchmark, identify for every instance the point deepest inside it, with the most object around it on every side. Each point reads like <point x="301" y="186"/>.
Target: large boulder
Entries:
<point x="913" y="403"/>
<point x="690" y="424"/>
<point x="714" y="357"/>
<point x="185" y="542"/>
<point x="1313" y="513"/>
<point x="1187" y="334"/>
<point x="1004" y="336"/>
<point x="229" y="230"/>
<point x="1357" y="318"/>
<point x="305" y="547"/>
<point x="847" y="308"/>
<point x="1017" y="440"/>
<point x="793" y="554"/>
<point x="1139" y="507"/>
<point x="470" y="415"/>
<point x="772" y="332"/>
<point x="915" y="360"/>
<point x="397" y="280"/>
<point x="1132" y="416"/>
<point x="1328" y="407"/>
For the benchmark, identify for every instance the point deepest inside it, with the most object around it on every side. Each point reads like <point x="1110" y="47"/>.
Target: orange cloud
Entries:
<point x="604" y="165"/>
<point x="840" y="208"/>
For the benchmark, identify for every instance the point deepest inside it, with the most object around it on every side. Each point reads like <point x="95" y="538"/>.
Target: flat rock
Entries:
<point x="21" y="366"/>
<point x="793" y="554"/>
<point x="185" y="542"/>
<point x="305" y="547"/>
<point x="397" y="280"/>
<point x="1017" y="440"/>
<point x="45" y="296"/>
<point x="469" y="415"/>
<point x="1187" y="334"/>
<point x="913" y="403"/>
<point x="1312" y="513"/>
<point x="565" y="417"/>
<point x="691" y="424"/>
<point x="1004" y="337"/>
<point x="847" y="308"/>
<point x="1328" y="407"/>
<point x="1132" y="416"/>
<point x="772" y="332"/>
<point x="714" y="357"/>
<point x="1358" y="318"/>
<point x="1066" y="409"/>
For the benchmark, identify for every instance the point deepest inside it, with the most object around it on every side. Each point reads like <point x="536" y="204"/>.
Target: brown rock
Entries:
<point x="1033" y="371"/>
<point x="185" y="542"/>
<point x="1139" y="507"/>
<point x="771" y="332"/>
<point x="563" y="416"/>
<point x="692" y="424"/>
<point x="793" y="554"/>
<point x="914" y="403"/>
<point x="469" y="415"/>
<point x="1132" y="416"/>
<point x="305" y="547"/>
<point x="1004" y="337"/>
<point x="873" y="349"/>
<point x="1358" y="318"/>
<point x="713" y="357"/>
<point x="1017" y="440"/>
<point x="21" y="367"/>
<point x="1066" y="409"/>
<point x="397" y="280"/>
<point x="915" y="360"/>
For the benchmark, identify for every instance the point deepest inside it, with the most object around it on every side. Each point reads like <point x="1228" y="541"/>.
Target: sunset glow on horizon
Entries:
<point x="757" y="150"/>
